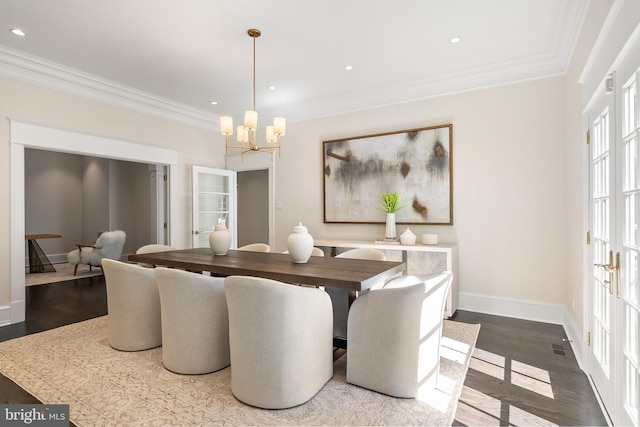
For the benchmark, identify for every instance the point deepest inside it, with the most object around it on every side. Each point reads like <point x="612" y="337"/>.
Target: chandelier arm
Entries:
<point x="252" y="139"/>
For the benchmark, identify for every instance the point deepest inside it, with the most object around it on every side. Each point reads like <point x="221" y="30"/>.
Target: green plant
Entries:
<point x="391" y="202"/>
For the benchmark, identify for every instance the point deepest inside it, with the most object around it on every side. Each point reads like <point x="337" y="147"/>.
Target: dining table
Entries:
<point x="353" y="275"/>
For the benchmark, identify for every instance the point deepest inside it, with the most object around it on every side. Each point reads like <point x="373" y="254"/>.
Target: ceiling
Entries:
<point x="178" y="56"/>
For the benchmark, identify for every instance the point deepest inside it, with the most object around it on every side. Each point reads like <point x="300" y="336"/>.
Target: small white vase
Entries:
<point x="408" y="238"/>
<point x="390" y="231"/>
<point x="300" y="244"/>
<point x="220" y="239"/>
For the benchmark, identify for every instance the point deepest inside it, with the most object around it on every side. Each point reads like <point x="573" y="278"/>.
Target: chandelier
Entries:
<point x="247" y="132"/>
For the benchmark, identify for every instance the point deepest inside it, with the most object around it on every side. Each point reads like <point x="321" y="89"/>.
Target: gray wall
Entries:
<point x="253" y="207"/>
<point x="78" y="197"/>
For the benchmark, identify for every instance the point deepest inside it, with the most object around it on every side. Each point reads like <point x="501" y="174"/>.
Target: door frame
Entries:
<point x="601" y="100"/>
<point x="29" y="135"/>
<point x="259" y="161"/>
<point x="232" y="208"/>
<point x="624" y="65"/>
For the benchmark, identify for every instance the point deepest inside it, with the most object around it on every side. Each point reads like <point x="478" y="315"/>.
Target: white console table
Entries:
<point x="420" y="259"/>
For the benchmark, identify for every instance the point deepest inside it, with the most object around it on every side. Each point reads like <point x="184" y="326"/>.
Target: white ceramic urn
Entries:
<point x="408" y="238"/>
<point x="220" y="239"/>
<point x="300" y="244"/>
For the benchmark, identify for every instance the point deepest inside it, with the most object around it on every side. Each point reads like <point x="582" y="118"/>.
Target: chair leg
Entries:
<point x="90" y="267"/>
<point x="75" y="270"/>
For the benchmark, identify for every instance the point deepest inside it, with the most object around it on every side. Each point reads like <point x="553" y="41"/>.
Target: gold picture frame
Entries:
<point x="417" y="163"/>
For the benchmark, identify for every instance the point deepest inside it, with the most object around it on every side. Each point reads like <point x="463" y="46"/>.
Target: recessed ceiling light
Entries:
<point x="348" y="68"/>
<point x="455" y="40"/>
<point x="272" y="88"/>
<point x="18" y="32"/>
<point x="214" y="102"/>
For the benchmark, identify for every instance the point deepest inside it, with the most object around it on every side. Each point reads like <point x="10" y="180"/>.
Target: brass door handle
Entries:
<point x="617" y="275"/>
<point x="610" y="268"/>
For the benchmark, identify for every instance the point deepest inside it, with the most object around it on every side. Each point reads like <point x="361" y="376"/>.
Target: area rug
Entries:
<point x="64" y="271"/>
<point x="74" y="365"/>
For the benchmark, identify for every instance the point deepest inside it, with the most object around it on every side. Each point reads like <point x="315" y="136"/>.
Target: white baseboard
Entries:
<point x="5" y="315"/>
<point x="511" y="307"/>
<point x="55" y="259"/>
<point x="556" y="314"/>
<point x="577" y="341"/>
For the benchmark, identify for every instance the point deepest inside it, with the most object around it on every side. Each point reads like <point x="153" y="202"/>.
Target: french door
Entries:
<point x="613" y="294"/>
<point x="213" y="201"/>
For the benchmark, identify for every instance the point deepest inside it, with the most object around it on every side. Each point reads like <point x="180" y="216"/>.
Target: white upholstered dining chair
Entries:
<point x="133" y="306"/>
<point x="394" y="335"/>
<point x="363" y="253"/>
<point x="153" y="248"/>
<point x="340" y="297"/>
<point x="195" y="322"/>
<point x="255" y="247"/>
<point x="281" y="341"/>
<point x="314" y="252"/>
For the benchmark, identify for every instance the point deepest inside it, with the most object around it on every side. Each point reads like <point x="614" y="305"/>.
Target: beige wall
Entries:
<point x="517" y="173"/>
<point x="508" y="180"/>
<point x="48" y="107"/>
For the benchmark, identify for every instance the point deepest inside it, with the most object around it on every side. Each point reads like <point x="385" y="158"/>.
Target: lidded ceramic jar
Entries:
<point x="300" y="244"/>
<point x="408" y="238"/>
<point x="220" y="239"/>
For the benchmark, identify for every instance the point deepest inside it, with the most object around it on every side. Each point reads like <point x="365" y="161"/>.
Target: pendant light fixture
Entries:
<point x="246" y="133"/>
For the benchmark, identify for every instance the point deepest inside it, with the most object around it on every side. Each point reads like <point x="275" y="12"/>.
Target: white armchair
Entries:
<point x="255" y="247"/>
<point x="153" y="248"/>
<point x="280" y="341"/>
<point x="133" y="306"/>
<point x="394" y="335"/>
<point x="340" y="297"/>
<point x="195" y="321"/>
<point x="108" y="245"/>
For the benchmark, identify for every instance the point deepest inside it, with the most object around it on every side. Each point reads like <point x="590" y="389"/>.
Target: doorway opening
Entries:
<point x="28" y="135"/>
<point x="253" y="207"/>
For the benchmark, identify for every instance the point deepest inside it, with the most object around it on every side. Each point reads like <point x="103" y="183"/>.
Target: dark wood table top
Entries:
<point x="344" y="273"/>
<point x="41" y="236"/>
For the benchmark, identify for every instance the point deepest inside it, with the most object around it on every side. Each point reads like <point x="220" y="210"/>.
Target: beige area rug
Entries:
<point x="74" y="365"/>
<point x="64" y="271"/>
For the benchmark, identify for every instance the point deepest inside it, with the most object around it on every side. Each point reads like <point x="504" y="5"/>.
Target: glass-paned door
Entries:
<point x="602" y="213"/>
<point x="614" y="292"/>
<point x="627" y="293"/>
<point x="213" y="201"/>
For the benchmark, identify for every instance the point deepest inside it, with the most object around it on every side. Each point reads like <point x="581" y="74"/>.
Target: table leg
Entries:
<point x="38" y="261"/>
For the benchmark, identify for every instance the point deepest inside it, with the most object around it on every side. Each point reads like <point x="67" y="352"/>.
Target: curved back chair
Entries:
<point x="394" y="335"/>
<point x="281" y="341"/>
<point x="152" y="248"/>
<point x="363" y="253"/>
<point x="133" y="305"/>
<point x="314" y="252"/>
<point x="255" y="247"/>
<point x="195" y="322"/>
<point x="108" y="245"/>
<point x="340" y="297"/>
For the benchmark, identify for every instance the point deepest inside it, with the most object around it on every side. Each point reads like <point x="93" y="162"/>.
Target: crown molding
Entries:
<point x="563" y="38"/>
<point x="20" y="66"/>
<point x="396" y="92"/>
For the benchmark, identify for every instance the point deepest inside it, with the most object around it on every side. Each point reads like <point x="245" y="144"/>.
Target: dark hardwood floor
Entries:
<point x="50" y="306"/>
<point x="522" y="374"/>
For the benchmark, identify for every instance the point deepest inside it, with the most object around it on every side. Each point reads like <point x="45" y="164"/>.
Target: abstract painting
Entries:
<point x="416" y="163"/>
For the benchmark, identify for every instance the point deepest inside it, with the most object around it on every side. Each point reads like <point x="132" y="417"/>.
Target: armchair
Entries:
<point x="108" y="245"/>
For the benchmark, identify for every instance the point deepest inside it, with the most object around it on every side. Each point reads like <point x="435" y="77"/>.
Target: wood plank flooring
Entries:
<point x="523" y="374"/>
<point x="518" y="377"/>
